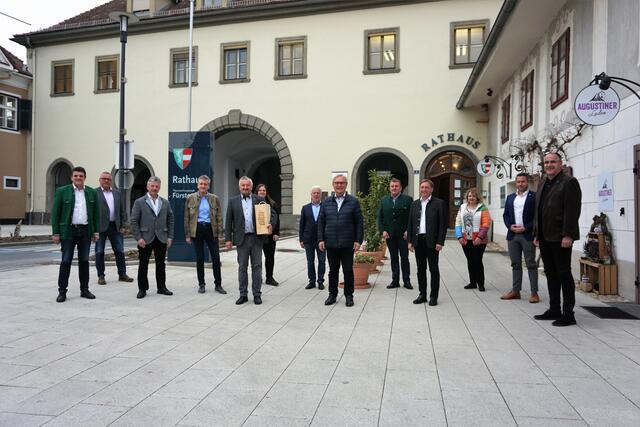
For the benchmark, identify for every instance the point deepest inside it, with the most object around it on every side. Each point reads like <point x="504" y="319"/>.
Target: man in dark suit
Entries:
<point x="152" y="226"/>
<point x="393" y="215"/>
<point x="240" y="230"/>
<point x="340" y="233"/>
<point x="519" y="211"/>
<point x="558" y="204"/>
<point x="426" y="229"/>
<point x="74" y="222"/>
<point x="113" y="219"/>
<point x="308" y="236"/>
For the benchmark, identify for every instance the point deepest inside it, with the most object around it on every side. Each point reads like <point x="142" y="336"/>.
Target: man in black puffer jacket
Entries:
<point x="340" y="232"/>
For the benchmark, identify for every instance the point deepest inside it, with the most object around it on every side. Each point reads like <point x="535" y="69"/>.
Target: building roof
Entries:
<point x="13" y="62"/>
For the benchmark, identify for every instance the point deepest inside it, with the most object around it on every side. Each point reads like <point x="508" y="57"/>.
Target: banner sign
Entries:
<point x="605" y="192"/>
<point x="190" y="155"/>
<point x="596" y="106"/>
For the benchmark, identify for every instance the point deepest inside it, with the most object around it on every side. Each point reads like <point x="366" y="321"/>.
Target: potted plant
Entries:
<point x="362" y="265"/>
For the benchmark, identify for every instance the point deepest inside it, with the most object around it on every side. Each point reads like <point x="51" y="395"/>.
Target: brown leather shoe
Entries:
<point x="101" y="280"/>
<point x="534" y="299"/>
<point x="511" y="295"/>
<point x="125" y="278"/>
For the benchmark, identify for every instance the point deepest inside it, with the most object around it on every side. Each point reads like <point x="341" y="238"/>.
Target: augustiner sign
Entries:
<point x="444" y="138"/>
<point x="596" y="106"/>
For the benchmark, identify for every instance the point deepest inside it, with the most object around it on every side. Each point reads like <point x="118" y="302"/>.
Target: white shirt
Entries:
<point x="423" y="216"/>
<point x="155" y="203"/>
<point x="339" y="201"/>
<point x="108" y="195"/>
<point x="79" y="208"/>
<point x="247" y="209"/>
<point x="518" y="207"/>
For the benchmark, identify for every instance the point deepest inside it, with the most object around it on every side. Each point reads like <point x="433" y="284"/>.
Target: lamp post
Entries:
<point x="124" y="19"/>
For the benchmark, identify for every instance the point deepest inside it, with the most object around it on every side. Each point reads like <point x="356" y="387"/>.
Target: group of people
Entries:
<point x="331" y="229"/>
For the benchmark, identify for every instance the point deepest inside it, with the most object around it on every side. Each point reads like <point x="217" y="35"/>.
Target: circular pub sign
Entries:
<point x="485" y="167"/>
<point x="596" y="106"/>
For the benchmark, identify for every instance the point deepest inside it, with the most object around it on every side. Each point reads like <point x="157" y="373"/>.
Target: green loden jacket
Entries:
<point x="393" y="218"/>
<point x="63" y="203"/>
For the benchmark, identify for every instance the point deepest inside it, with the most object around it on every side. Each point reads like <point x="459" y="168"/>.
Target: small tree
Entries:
<point x="378" y="188"/>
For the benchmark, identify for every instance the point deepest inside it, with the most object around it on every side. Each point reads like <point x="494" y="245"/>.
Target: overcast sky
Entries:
<point x="38" y="13"/>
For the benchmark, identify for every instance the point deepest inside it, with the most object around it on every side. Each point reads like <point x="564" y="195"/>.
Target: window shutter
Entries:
<point x="24" y="115"/>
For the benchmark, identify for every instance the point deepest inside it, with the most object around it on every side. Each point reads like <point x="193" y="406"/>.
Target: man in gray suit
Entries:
<point x="113" y="219"/>
<point x="240" y="230"/>
<point x="152" y="227"/>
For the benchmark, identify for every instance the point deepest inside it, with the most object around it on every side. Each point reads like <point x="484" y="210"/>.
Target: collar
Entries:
<point x="150" y="197"/>
<point x="316" y="204"/>
<point x="76" y="188"/>
<point x="340" y="197"/>
<point x="427" y="200"/>
<point x="245" y="197"/>
<point x="110" y="190"/>
<point x="526" y="193"/>
<point x="396" y="197"/>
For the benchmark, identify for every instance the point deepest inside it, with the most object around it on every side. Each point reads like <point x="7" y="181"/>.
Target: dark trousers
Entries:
<point x="426" y="255"/>
<point x="269" y="250"/>
<point x="159" y="250"/>
<point x="117" y="244"/>
<point x="399" y="246"/>
<point x="557" y="268"/>
<point x="312" y="251"/>
<point x="337" y="257"/>
<point x="474" y="262"/>
<point x="80" y="238"/>
<point x="204" y="234"/>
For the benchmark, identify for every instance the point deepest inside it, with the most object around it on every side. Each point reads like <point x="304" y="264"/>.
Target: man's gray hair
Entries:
<point x="154" y="178"/>
<point x="338" y="176"/>
<point x="204" y="178"/>
<point x="316" y="187"/>
<point x="245" y="178"/>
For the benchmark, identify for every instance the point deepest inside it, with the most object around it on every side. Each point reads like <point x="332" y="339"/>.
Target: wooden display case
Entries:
<point x="604" y="275"/>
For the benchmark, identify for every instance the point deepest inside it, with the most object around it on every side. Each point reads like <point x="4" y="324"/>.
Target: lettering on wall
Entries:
<point x="448" y="137"/>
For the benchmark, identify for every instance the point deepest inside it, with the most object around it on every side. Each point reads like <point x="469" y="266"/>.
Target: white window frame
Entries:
<point x="4" y="183"/>
<point x="3" y="125"/>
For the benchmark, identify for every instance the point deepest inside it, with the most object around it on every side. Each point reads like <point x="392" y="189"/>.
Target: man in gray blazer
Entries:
<point x="240" y="230"/>
<point x="152" y="227"/>
<point x="113" y="219"/>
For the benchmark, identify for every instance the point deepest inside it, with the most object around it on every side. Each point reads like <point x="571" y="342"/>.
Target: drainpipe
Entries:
<point x="33" y="133"/>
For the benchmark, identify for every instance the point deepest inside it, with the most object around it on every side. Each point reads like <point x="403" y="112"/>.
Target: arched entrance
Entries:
<point x="141" y="174"/>
<point x="386" y="161"/>
<point x="59" y="174"/>
<point x="452" y="173"/>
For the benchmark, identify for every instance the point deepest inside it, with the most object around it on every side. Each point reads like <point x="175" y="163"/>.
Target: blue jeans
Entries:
<point x="204" y="234"/>
<point x="311" y="251"/>
<point x="117" y="244"/>
<point x="80" y="238"/>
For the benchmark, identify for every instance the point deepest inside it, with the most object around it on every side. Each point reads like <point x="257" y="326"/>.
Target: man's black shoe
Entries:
<point x="330" y="300"/>
<point x="164" y="291"/>
<point x="433" y="302"/>
<point x="320" y="286"/>
<point x="310" y="285"/>
<point x="548" y="315"/>
<point x="242" y="300"/>
<point x="220" y="290"/>
<point x="86" y="294"/>
<point x="393" y="285"/>
<point x="62" y="297"/>
<point x="141" y="294"/>
<point x="201" y="289"/>
<point x="564" y="321"/>
<point x="257" y="300"/>
<point x="481" y="288"/>
<point x="271" y="281"/>
<point x="470" y="286"/>
<point x="125" y="278"/>
<point x="349" y="300"/>
<point x="420" y="300"/>
<point x="408" y="285"/>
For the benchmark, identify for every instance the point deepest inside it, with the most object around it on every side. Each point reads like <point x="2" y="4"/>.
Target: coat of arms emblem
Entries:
<point x="182" y="156"/>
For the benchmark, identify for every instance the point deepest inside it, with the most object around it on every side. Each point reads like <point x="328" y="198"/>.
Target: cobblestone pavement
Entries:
<point x="200" y="360"/>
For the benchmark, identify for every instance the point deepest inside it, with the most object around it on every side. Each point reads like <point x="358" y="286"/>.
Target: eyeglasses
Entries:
<point x="340" y="183"/>
<point x="106" y="179"/>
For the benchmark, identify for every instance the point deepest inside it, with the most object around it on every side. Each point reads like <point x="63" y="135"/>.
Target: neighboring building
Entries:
<point x="15" y="125"/>
<point x="292" y="90"/>
<point x="537" y="59"/>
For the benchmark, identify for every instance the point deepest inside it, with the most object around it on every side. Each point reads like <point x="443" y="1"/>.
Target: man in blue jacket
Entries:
<point x="340" y="232"/>
<point x="308" y="236"/>
<point x="519" y="211"/>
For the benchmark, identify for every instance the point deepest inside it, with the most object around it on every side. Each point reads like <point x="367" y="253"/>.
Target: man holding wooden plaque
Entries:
<point x="249" y="224"/>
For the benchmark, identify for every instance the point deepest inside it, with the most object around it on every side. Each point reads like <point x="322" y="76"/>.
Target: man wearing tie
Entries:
<point x="426" y="231"/>
<point x="309" y="239"/>
<point x="240" y="230"/>
<point x="113" y="219"/>
<point x="152" y="227"/>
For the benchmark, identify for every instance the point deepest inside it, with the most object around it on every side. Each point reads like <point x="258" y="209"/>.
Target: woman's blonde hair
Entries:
<point x="474" y="191"/>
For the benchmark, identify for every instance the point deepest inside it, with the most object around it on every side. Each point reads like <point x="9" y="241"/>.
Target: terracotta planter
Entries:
<point x="360" y="276"/>
<point x="375" y="256"/>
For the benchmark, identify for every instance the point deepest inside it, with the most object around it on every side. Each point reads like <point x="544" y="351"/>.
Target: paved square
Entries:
<point x="200" y="360"/>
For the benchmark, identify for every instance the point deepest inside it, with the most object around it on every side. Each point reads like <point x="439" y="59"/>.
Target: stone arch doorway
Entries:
<point x="142" y="171"/>
<point x="387" y="161"/>
<point x="58" y="174"/>
<point x="453" y="173"/>
<point x="248" y="145"/>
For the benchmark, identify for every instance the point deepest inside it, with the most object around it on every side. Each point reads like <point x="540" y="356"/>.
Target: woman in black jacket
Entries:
<point x="269" y="249"/>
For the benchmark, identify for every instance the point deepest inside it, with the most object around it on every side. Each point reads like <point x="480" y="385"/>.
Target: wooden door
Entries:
<point x="458" y="187"/>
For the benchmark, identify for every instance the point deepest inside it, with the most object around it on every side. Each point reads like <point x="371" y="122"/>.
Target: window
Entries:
<point x="211" y="3"/>
<point x="106" y="74"/>
<point x="505" y="123"/>
<point x="467" y="40"/>
<point x="382" y="53"/>
<point x="8" y="112"/>
<point x="560" y="69"/>
<point x="235" y="62"/>
<point x="12" y="183"/>
<point x="503" y="196"/>
<point x="180" y="67"/>
<point x="62" y="78"/>
<point x="526" y="102"/>
<point x="291" y="58"/>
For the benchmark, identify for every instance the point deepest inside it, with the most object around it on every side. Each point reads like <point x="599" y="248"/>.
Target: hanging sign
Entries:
<point x="486" y="167"/>
<point x="596" y="106"/>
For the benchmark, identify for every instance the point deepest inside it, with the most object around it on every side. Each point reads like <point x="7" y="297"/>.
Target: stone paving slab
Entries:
<point x="200" y="360"/>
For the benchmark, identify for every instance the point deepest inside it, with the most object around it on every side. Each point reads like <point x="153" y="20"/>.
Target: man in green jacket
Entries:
<point x="74" y="222"/>
<point x="393" y="215"/>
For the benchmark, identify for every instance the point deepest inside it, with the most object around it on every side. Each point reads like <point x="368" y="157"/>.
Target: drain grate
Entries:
<point x="610" y="313"/>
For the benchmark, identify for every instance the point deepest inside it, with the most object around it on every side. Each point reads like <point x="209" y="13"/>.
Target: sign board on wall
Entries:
<point x="605" y="192"/>
<point x="596" y="106"/>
